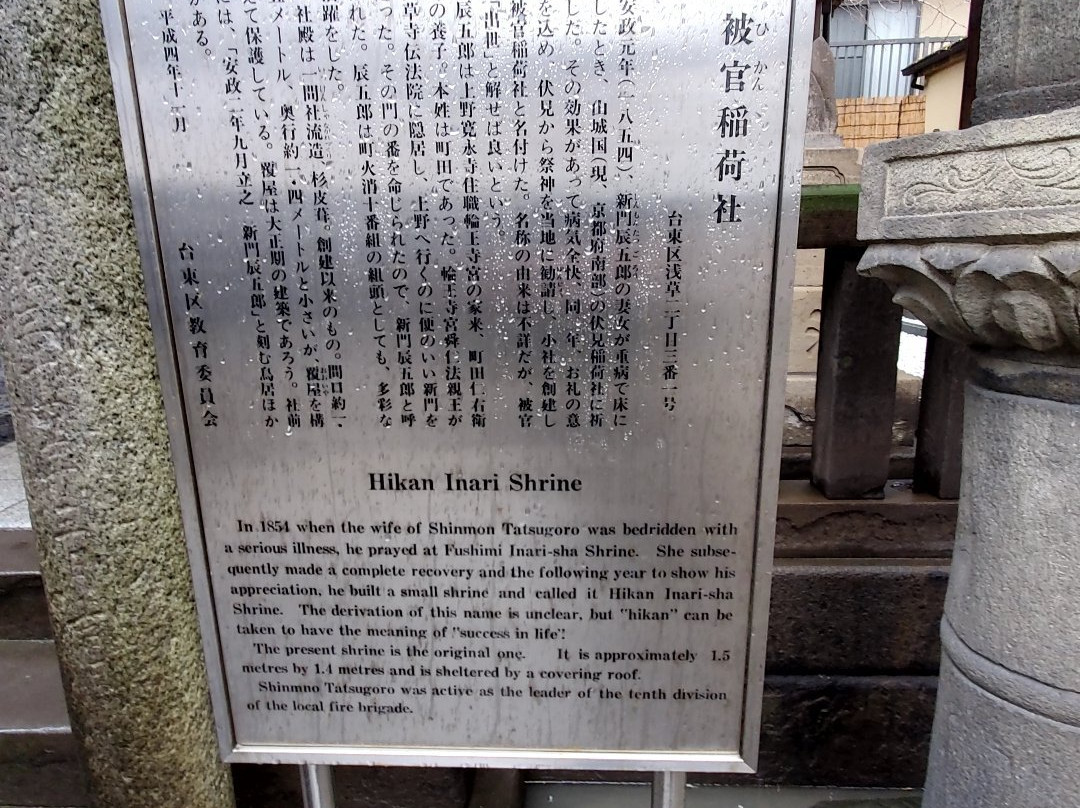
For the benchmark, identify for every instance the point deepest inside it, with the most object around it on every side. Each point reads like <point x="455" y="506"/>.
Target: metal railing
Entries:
<point x="871" y="68"/>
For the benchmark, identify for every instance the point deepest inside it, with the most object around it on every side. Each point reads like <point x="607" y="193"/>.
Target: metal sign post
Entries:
<point x="317" y="784"/>
<point x="669" y="790"/>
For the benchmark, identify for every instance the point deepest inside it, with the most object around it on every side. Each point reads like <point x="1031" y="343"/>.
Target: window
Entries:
<point x="873" y="41"/>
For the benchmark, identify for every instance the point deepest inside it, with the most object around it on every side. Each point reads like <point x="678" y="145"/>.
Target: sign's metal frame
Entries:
<point x="786" y="231"/>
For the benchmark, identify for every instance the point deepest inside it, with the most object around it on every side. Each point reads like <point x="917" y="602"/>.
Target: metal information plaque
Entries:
<point x="472" y="319"/>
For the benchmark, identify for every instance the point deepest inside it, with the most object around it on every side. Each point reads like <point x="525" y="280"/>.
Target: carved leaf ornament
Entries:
<point x="1006" y="296"/>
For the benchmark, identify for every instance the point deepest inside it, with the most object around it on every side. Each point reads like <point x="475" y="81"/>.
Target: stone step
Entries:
<point x="23" y="614"/>
<point x="7" y="432"/>
<point x="17" y="553"/>
<point x="39" y="758"/>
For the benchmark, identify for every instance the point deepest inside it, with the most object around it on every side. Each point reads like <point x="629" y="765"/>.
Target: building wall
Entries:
<point x="944" y="94"/>
<point x="944" y="18"/>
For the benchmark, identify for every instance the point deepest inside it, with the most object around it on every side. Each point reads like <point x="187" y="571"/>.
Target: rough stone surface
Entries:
<point x="825" y="161"/>
<point x="902" y="525"/>
<point x="1017" y="562"/>
<point x="840" y="731"/>
<point x="992" y="215"/>
<point x="847" y="617"/>
<point x="1027" y="59"/>
<point x="821" y="114"/>
<point x="856" y="391"/>
<point x="989" y="753"/>
<point x="831" y="166"/>
<point x="378" y="787"/>
<point x="938" y="462"/>
<point x="42" y="769"/>
<point x="805" y="329"/>
<point x="1011" y="180"/>
<point x="800" y="409"/>
<point x="262" y="786"/>
<point x="846" y="731"/>
<point x="80" y="363"/>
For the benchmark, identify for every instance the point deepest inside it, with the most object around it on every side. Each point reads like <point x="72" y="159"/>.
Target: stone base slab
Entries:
<point x="904" y="524"/>
<point x="832" y="165"/>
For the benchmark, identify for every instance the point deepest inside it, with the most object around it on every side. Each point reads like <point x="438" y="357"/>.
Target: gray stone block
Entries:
<point x="40" y="763"/>
<point x="23" y="610"/>
<point x="32" y="698"/>
<point x="840" y="731"/>
<point x="809" y="267"/>
<point x="265" y="786"/>
<point x="805" y="329"/>
<point x="1013" y="594"/>
<point x="856" y="389"/>
<point x="377" y="787"/>
<point x="1006" y="179"/>
<point x="800" y="410"/>
<point x="831" y="166"/>
<point x="821" y="115"/>
<point x="865" y="732"/>
<point x="1027" y="59"/>
<point x="18" y="547"/>
<point x="497" y="788"/>
<point x="851" y="618"/>
<point x="42" y="769"/>
<point x="903" y="524"/>
<point x="988" y="752"/>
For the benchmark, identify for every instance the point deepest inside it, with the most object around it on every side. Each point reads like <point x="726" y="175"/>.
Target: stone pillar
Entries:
<point x="1027" y="58"/>
<point x="88" y="413"/>
<point x="978" y="234"/>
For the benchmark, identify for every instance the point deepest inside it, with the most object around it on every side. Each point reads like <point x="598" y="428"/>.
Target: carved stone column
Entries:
<point x="979" y="236"/>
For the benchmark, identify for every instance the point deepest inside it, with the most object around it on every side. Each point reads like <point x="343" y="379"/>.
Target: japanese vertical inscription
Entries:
<point x="473" y="305"/>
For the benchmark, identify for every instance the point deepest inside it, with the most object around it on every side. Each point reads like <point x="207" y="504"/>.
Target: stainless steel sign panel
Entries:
<point x="471" y="317"/>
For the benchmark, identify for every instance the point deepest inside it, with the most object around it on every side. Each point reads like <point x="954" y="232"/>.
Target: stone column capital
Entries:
<point x="978" y="232"/>
<point x="989" y="295"/>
